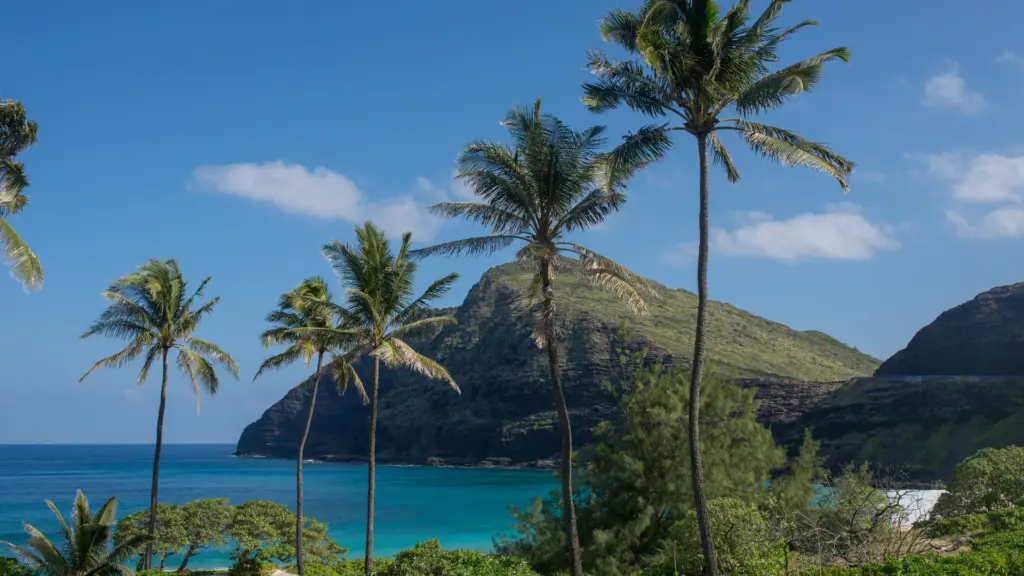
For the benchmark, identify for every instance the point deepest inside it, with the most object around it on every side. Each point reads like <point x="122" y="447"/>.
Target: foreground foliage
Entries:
<point x="991" y="479"/>
<point x="430" y="559"/>
<point x="182" y="530"/>
<point x="87" y="549"/>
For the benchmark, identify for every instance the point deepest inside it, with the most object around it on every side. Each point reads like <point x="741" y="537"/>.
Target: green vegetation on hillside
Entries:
<point x="740" y="342"/>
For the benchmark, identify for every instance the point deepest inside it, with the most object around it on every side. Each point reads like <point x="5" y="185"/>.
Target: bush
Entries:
<point x="153" y="572"/>
<point x="1006" y="520"/>
<point x="989" y="480"/>
<point x="430" y="559"/>
<point x="355" y="567"/>
<point x="313" y="569"/>
<point x="11" y="567"/>
<point x="744" y="543"/>
<point x="255" y="566"/>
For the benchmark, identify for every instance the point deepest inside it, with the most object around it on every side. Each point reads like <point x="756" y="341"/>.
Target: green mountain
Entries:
<point x="504" y="414"/>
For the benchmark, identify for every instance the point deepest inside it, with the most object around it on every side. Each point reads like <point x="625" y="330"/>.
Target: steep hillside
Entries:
<point x="981" y="337"/>
<point x="505" y="411"/>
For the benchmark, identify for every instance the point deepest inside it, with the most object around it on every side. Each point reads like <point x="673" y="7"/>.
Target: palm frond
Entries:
<point x="478" y="246"/>
<point x="199" y="370"/>
<point x="722" y="158"/>
<point x="344" y="372"/>
<point x="214" y="352"/>
<point x="788" y="149"/>
<point x="773" y="90"/>
<point x="396" y="353"/>
<point x="500" y="220"/>
<point x="641" y="148"/>
<point x="614" y="277"/>
<point x="618" y="83"/>
<point x="129" y="353"/>
<point x="277" y="361"/>
<point x="24" y="264"/>
<point x="424" y="328"/>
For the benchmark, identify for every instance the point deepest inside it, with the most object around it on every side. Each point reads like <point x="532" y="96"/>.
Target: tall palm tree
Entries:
<point x="87" y="549"/>
<point x="298" y="309"/>
<point x="692" y="64"/>
<point x="551" y="183"/>
<point x="378" y="315"/>
<point x="17" y="133"/>
<point x="151" y="309"/>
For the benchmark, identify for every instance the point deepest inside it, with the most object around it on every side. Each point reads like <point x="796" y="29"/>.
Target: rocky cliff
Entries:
<point x="982" y="337"/>
<point x="505" y="415"/>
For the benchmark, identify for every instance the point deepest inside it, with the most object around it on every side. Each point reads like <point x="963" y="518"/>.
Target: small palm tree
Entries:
<point x="151" y="309"/>
<point x="694" y="63"/>
<point x="87" y="549"/>
<point x="552" y="183"/>
<point x="17" y="133"/>
<point x="302" y="307"/>
<point x="378" y="316"/>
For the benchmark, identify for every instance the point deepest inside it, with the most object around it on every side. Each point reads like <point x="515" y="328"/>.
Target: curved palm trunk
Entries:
<point x="551" y="343"/>
<point x="699" y="351"/>
<point x="373" y="464"/>
<point x="299" y="562"/>
<point x="148" y="561"/>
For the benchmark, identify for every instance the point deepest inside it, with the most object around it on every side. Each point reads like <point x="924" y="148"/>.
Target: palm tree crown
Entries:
<point x="87" y="548"/>
<point x="380" y="311"/>
<point x="151" y="308"/>
<point x="550" y="183"/>
<point x="308" y="306"/>
<point x="17" y="133"/>
<point x="695" y="63"/>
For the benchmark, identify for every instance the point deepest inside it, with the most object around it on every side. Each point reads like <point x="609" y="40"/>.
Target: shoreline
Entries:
<point x="496" y="463"/>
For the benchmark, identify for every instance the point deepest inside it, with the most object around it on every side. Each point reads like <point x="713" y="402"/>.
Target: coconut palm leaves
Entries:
<point x="17" y="133"/>
<point x="692" y="63"/>
<point x="379" y="317"/>
<point x="306" y="307"/>
<point x="550" y="183"/>
<point x="153" y="310"/>
<point x="86" y="550"/>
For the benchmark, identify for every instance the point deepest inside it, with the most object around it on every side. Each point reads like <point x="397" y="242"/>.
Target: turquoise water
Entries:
<point x="463" y="508"/>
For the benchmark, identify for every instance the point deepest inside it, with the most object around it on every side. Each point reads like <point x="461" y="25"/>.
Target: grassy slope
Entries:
<point x="739" y="341"/>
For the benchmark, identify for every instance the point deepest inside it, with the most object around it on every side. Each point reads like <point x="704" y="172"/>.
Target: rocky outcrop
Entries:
<point x="981" y="337"/>
<point x="504" y="415"/>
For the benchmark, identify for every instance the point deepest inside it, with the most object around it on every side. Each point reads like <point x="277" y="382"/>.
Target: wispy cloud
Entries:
<point x="317" y="192"/>
<point x="841" y="232"/>
<point x="949" y="90"/>
<point x="1005" y="222"/>
<point x="1011" y="59"/>
<point x="982" y="178"/>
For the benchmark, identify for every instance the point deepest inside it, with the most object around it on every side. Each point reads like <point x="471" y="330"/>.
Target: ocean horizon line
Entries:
<point x="215" y="443"/>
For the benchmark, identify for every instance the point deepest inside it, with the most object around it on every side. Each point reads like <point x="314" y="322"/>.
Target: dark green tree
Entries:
<point x="380" y="312"/>
<point x="693" y="63"/>
<point x="300" y="308"/>
<point x="17" y="134"/>
<point x="262" y="530"/>
<point x="552" y="182"/>
<point x="152" y="309"/>
<point x="86" y="550"/>
<point x="990" y="479"/>
<point x="637" y="485"/>
<point x="168" y="538"/>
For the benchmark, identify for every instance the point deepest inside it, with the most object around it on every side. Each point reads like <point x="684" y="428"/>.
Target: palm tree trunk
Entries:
<point x="299" y="563"/>
<point x="156" y="466"/>
<point x="699" y="351"/>
<point x="551" y="343"/>
<point x="373" y="464"/>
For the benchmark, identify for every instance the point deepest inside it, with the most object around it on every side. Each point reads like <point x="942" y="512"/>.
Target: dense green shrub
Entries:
<point x="980" y="563"/>
<point x="153" y="572"/>
<point x="991" y="479"/>
<point x="355" y="567"/>
<point x="745" y="545"/>
<point x="11" y="567"/>
<point x="313" y="569"/>
<point x="430" y="559"/>
<point x="1006" y="520"/>
<point x="254" y="566"/>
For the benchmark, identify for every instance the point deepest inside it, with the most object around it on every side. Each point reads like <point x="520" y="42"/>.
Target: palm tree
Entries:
<point x="17" y="133"/>
<point x="297" y="309"/>
<point x="150" y="309"/>
<point x="87" y="551"/>
<point x="378" y="315"/>
<point x="693" y="64"/>
<point x="551" y="183"/>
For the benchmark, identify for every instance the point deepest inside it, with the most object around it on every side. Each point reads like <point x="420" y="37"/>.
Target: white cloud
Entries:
<point x="991" y="178"/>
<point x="1005" y="222"/>
<point x="839" y="233"/>
<point x="320" y="192"/>
<point x="130" y="394"/>
<point x="949" y="90"/>
<point x="1012" y="58"/>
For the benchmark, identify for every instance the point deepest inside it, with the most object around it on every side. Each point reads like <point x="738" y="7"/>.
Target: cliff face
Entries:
<point x="505" y="413"/>
<point x="982" y="337"/>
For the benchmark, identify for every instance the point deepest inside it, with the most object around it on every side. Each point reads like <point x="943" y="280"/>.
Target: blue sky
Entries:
<point x="240" y="136"/>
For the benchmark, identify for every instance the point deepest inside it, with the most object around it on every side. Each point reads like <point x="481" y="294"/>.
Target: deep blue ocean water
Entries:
<point x="463" y="508"/>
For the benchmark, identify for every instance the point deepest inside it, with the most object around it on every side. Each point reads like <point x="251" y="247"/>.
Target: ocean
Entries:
<point x="463" y="508"/>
